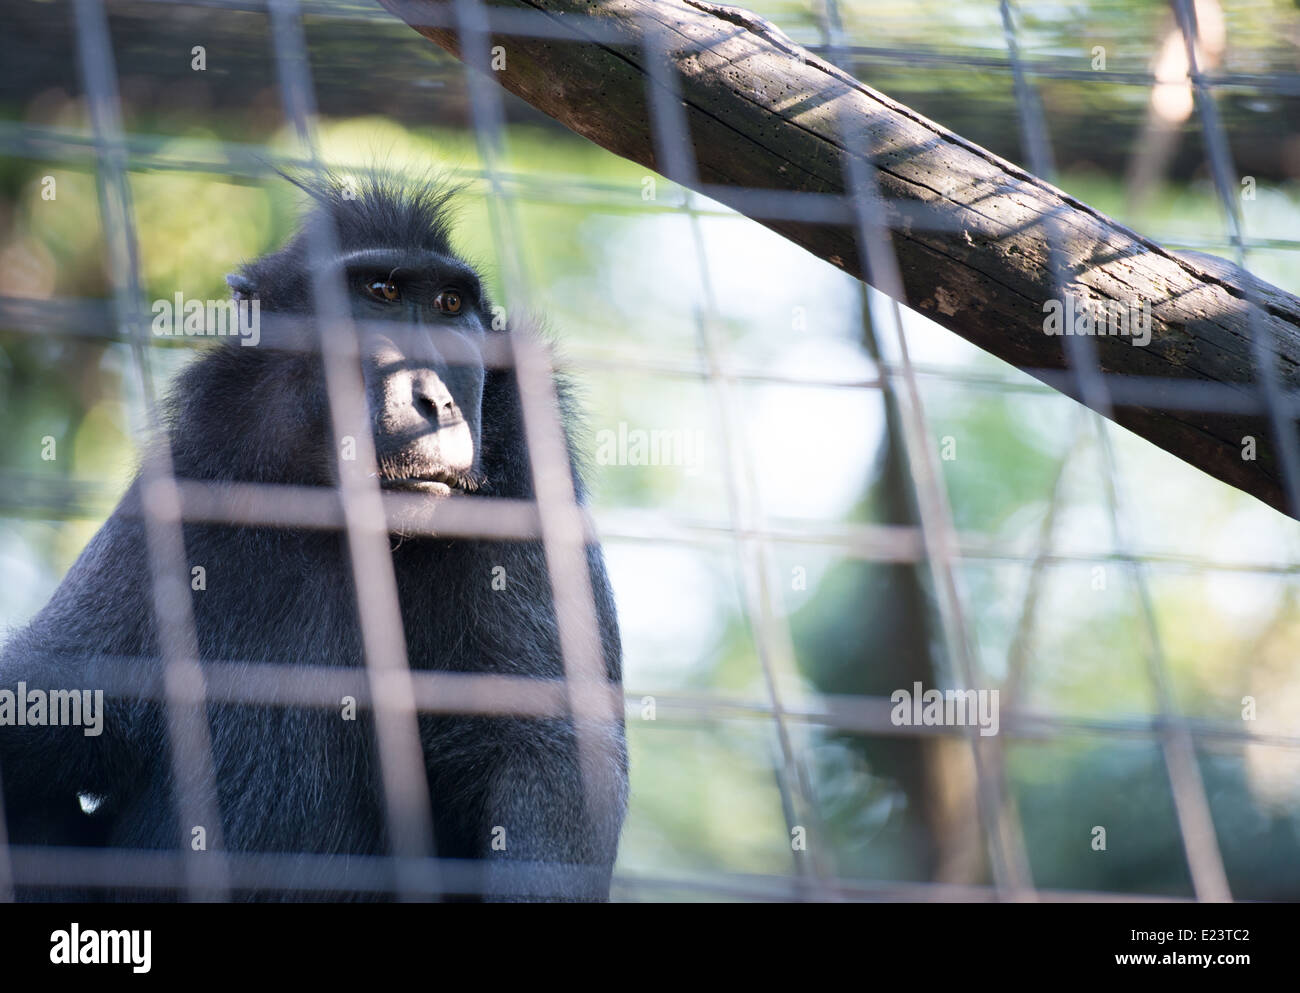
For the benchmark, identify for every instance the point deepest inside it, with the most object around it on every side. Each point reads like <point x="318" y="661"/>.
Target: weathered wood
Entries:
<point x="970" y="230"/>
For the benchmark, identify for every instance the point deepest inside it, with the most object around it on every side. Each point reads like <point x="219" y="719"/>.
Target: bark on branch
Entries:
<point x="971" y="232"/>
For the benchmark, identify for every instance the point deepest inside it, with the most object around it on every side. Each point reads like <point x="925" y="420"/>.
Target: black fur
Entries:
<point x="301" y="780"/>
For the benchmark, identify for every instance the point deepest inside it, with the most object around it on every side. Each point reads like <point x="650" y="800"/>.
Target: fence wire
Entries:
<point x="397" y="694"/>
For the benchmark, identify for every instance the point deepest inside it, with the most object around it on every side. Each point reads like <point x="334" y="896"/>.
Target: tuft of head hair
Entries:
<point x="379" y="209"/>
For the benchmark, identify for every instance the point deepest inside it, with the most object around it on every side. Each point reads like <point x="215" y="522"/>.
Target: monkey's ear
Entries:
<point x="241" y="287"/>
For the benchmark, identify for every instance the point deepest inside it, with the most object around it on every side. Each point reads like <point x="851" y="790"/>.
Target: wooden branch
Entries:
<point x="970" y="231"/>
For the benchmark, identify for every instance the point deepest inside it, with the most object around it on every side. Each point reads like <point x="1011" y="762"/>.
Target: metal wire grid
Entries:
<point x="397" y="693"/>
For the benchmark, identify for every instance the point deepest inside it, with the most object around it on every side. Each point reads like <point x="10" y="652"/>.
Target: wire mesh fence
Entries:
<point x="398" y="694"/>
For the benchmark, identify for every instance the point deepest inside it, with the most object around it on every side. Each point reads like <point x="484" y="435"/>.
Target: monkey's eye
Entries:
<point x="383" y="289"/>
<point x="448" y="301"/>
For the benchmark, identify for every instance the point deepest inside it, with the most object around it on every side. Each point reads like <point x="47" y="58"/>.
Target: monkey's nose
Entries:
<point x="434" y="401"/>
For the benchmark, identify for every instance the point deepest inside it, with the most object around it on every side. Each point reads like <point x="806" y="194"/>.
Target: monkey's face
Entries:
<point x="422" y="321"/>
<point x="424" y="377"/>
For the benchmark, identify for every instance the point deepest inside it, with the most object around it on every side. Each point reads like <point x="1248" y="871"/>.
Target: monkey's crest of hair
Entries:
<point x="381" y="208"/>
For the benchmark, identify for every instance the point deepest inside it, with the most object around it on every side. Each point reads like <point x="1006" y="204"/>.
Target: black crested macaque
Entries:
<point x="303" y="780"/>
